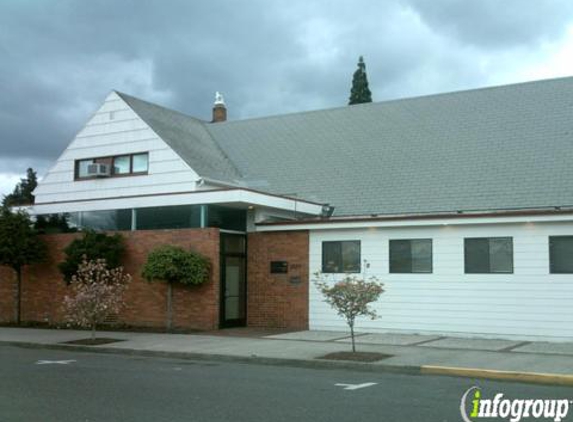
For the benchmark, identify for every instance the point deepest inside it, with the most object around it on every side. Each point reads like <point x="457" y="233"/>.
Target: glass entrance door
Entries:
<point x="233" y="280"/>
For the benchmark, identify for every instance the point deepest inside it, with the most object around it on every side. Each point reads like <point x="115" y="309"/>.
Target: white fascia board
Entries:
<point x="192" y="198"/>
<point x="279" y="202"/>
<point x="341" y="225"/>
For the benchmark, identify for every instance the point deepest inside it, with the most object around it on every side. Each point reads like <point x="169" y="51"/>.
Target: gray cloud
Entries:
<point x="496" y="24"/>
<point x="60" y="59"/>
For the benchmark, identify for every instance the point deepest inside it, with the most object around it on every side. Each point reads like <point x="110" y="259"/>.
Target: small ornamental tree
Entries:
<point x="95" y="292"/>
<point x="93" y="246"/>
<point x="351" y="298"/>
<point x="172" y="264"/>
<point x="19" y="246"/>
<point x="360" y="92"/>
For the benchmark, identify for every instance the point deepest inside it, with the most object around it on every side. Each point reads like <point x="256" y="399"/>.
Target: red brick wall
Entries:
<point x="273" y="300"/>
<point x="195" y="307"/>
<point x="7" y="292"/>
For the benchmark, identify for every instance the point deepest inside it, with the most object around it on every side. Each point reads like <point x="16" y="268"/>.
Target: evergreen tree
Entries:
<point x="22" y="194"/>
<point x="360" y="93"/>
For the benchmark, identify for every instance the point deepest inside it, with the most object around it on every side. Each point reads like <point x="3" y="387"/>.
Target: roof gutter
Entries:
<point x="430" y="219"/>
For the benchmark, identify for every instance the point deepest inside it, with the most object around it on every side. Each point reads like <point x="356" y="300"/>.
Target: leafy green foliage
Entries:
<point x="351" y="297"/>
<point x="19" y="244"/>
<point x="93" y="246"/>
<point x="360" y="92"/>
<point x="173" y="264"/>
<point x="22" y="194"/>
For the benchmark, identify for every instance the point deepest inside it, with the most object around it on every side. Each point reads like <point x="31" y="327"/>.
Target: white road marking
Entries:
<point x="356" y="386"/>
<point x="55" y="362"/>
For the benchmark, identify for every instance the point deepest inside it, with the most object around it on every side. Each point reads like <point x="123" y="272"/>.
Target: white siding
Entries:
<point x="115" y="129"/>
<point x="531" y="303"/>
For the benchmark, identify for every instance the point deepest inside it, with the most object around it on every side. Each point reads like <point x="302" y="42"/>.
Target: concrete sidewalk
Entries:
<point x="497" y="359"/>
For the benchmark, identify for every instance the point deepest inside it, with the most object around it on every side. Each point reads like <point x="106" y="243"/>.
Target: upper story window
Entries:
<point x="411" y="256"/>
<point x="561" y="254"/>
<point x="119" y="165"/>
<point x="341" y="257"/>
<point x="488" y="255"/>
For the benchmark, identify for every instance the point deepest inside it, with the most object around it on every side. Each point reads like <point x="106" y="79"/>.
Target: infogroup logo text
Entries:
<point x="513" y="410"/>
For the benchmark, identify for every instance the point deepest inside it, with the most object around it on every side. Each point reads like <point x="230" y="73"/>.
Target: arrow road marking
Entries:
<point x="356" y="386"/>
<point x="54" y="362"/>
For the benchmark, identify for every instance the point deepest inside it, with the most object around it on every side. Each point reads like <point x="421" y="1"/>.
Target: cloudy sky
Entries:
<point x="60" y="58"/>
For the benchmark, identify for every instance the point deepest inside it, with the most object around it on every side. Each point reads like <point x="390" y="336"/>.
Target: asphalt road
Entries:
<point x="101" y="387"/>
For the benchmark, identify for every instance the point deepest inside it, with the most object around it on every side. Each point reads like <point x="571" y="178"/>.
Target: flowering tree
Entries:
<point x="351" y="297"/>
<point x="96" y="292"/>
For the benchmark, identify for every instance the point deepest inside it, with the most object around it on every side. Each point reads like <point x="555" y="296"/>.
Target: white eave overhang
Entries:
<point x="418" y="220"/>
<point x="237" y="196"/>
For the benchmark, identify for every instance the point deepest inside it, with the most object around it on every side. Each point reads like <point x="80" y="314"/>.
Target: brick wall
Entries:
<point x="195" y="307"/>
<point x="278" y="300"/>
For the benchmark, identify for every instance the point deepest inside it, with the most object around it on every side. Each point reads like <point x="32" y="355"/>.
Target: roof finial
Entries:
<point x="219" y="99"/>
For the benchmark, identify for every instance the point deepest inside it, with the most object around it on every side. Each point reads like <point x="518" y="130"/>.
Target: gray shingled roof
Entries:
<point x="507" y="147"/>
<point x="188" y="137"/>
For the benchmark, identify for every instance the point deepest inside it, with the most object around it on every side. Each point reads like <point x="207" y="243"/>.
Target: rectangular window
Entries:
<point x="172" y="217"/>
<point x="561" y="254"/>
<point x="411" y="256"/>
<point x="82" y="168"/>
<point x="140" y="163"/>
<point x="341" y="257"/>
<point x="121" y="165"/>
<point x="488" y="255"/>
<point x="106" y="220"/>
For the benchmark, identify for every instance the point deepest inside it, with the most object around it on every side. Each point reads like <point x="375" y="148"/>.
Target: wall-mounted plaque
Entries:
<point x="279" y="267"/>
<point x="295" y="280"/>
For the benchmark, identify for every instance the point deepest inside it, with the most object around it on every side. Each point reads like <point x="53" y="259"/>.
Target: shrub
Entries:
<point x="172" y="264"/>
<point x="351" y="298"/>
<point x="96" y="292"/>
<point x="92" y="246"/>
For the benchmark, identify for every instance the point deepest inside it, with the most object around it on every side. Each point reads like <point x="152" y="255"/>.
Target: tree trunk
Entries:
<point x="17" y="311"/>
<point x="352" y="336"/>
<point x="169" y="307"/>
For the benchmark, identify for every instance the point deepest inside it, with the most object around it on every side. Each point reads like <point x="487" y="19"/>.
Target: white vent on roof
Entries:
<point x="98" y="170"/>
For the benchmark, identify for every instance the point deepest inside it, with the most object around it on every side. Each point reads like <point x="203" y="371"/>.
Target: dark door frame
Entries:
<point x="242" y="322"/>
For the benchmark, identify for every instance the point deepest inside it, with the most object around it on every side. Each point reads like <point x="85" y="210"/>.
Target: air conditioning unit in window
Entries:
<point x="99" y="170"/>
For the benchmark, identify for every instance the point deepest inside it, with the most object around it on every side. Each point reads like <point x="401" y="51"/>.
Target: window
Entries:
<point x="140" y="163"/>
<point x="411" y="256"/>
<point x="561" y="254"/>
<point x="227" y="218"/>
<point x="489" y="255"/>
<point x="121" y="165"/>
<point x="82" y="168"/>
<point x="341" y="257"/>
<point x="172" y="217"/>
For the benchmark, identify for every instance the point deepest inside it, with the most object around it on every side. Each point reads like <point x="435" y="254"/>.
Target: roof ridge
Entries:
<point x="397" y="100"/>
<point x="171" y="110"/>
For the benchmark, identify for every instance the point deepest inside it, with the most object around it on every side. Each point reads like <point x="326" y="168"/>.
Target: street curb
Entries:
<point x="254" y="359"/>
<point x="510" y="376"/>
<point x="490" y="374"/>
